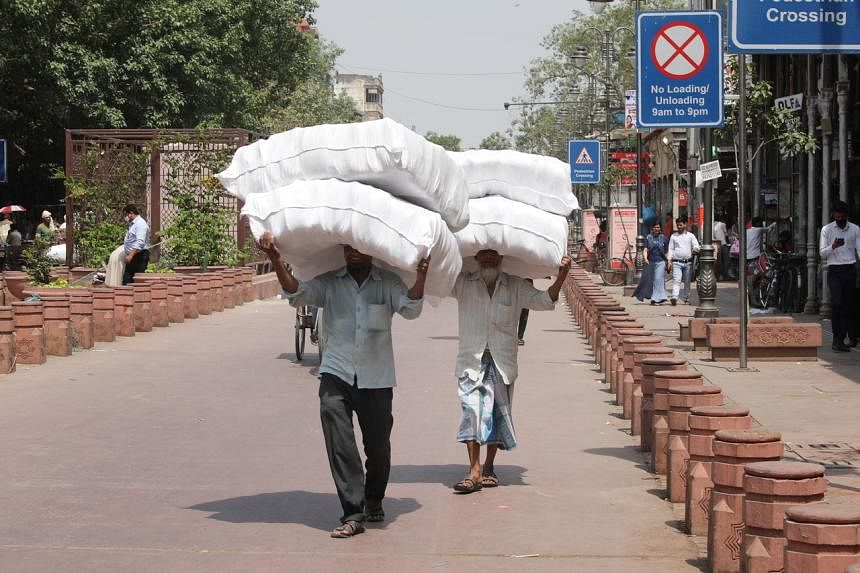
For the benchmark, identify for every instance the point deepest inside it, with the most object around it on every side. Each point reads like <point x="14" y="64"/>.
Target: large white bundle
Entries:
<point x="380" y="153"/>
<point x="312" y="220"/>
<point x="531" y="241"/>
<point x="537" y="180"/>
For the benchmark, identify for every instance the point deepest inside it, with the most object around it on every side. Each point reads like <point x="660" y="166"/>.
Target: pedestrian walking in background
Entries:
<point x="838" y="246"/>
<point x="135" y="245"/>
<point x="357" y="371"/>
<point x="47" y="228"/>
<point x="652" y="283"/>
<point x="682" y="246"/>
<point x="489" y="301"/>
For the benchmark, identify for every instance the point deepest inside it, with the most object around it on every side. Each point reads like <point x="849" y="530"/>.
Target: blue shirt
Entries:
<point x="656" y="248"/>
<point x="137" y="236"/>
<point x="357" y="323"/>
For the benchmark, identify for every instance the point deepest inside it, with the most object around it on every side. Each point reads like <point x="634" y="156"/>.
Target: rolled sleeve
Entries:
<point x="534" y="299"/>
<point x="401" y="303"/>
<point x="310" y="293"/>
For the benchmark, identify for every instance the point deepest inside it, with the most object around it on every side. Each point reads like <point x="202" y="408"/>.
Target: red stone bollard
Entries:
<point x="104" y="329"/>
<point x="238" y="286"/>
<point x="81" y="318"/>
<point x="682" y="399"/>
<point x="216" y="292"/>
<point x="248" y="284"/>
<point x="822" y="538"/>
<point x="649" y="367"/>
<point x="610" y="343"/>
<point x="229" y="289"/>
<point x="175" y="305"/>
<point x="769" y="489"/>
<point x="602" y="329"/>
<point x="189" y="297"/>
<point x="640" y="354"/>
<point x="123" y="309"/>
<point x="142" y="307"/>
<point x="29" y="332"/>
<point x="663" y="380"/>
<point x="158" y="303"/>
<point x="734" y="449"/>
<point x="616" y="362"/>
<point x="625" y="365"/>
<point x="607" y="326"/>
<point x="203" y="288"/>
<point x="7" y="340"/>
<point x="704" y="422"/>
<point x="58" y="331"/>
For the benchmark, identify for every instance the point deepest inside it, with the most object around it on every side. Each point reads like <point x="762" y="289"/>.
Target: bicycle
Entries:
<point x="777" y="281"/>
<point x="614" y="271"/>
<point x="309" y="318"/>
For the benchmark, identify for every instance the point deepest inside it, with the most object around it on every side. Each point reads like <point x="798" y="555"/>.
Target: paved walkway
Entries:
<point x="198" y="448"/>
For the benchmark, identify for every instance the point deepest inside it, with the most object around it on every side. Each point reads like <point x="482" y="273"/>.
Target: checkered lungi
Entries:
<point x="486" y="404"/>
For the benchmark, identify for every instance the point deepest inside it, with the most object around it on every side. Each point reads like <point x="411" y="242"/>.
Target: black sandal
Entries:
<point x="468" y="485"/>
<point x="489" y="479"/>
<point x="350" y="528"/>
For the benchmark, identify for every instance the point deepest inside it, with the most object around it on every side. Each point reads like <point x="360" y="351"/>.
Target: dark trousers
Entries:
<point x="843" y="314"/>
<point x="524" y="320"/>
<point x="138" y="264"/>
<point x="358" y="492"/>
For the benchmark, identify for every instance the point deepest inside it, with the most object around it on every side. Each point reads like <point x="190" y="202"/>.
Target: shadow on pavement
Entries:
<point x="629" y="453"/>
<point x="449" y="474"/>
<point x="310" y="508"/>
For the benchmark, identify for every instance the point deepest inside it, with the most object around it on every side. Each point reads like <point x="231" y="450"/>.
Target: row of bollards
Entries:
<point x="65" y="319"/>
<point x="760" y="513"/>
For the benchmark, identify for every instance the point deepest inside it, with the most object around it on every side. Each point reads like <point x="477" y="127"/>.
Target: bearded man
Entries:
<point x="489" y="307"/>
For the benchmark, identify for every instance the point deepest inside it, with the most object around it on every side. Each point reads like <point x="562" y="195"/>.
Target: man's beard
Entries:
<point x="842" y="224"/>
<point x="357" y="267"/>
<point x="489" y="275"/>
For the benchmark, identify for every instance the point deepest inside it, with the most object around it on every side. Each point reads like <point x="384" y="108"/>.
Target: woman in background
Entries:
<point x="652" y="284"/>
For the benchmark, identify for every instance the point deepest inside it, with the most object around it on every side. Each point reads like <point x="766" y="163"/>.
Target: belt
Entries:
<point x="682" y="260"/>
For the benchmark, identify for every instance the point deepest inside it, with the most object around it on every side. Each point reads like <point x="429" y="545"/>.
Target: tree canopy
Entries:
<point x="449" y="142"/>
<point x="497" y="140"/>
<point x="154" y="64"/>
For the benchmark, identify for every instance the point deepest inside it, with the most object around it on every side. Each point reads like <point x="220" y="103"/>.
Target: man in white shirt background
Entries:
<point x="682" y="246"/>
<point x="838" y="246"/>
<point x="489" y="303"/>
<point x="721" y="245"/>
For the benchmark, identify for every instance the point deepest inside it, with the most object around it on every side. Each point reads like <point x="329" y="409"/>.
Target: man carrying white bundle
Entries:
<point x="357" y="371"/>
<point x="489" y="307"/>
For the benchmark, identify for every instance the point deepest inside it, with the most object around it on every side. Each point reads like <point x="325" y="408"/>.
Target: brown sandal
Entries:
<point x="348" y="529"/>
<point x="468" y="485"/>
<point x="489" y="480"/>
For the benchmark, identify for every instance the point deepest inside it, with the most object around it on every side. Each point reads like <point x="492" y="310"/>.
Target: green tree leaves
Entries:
<point x="449" y="142"/>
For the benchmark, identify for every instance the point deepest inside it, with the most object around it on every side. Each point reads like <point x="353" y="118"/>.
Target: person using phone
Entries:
<point x="838" y="246"/>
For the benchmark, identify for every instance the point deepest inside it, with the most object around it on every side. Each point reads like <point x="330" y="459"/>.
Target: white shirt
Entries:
<point x="137" y="236"/>
<point x="756" y="237"/>
<point x="844" y="255"/>
<point x="357" y="323"/>
<point x="681" y="247"/>
<point x="492" y="322"/>
<point x="720" y="233"/>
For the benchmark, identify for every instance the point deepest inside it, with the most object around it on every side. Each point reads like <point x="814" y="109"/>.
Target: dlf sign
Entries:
<point x="790" y="103"/>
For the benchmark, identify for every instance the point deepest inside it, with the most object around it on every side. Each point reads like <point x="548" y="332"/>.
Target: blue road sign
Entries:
<point x="2" y="161"/>
<point x="679" y="60"/>
<point x="584" y="158"/>
<point x="801" y="27"/>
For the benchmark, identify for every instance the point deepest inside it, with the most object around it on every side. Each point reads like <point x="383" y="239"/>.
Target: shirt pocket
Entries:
<point x="503" y="315"/>
<point x="378" y="317"/>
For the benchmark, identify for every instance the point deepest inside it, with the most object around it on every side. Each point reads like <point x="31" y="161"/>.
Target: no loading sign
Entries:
<point x="680" y="50"/>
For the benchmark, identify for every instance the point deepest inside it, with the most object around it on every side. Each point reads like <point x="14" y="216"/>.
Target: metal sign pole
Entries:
<point x="742" y="198"/>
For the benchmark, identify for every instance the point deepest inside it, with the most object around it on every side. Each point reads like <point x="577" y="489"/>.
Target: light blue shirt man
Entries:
<point x="137" y="236"/>
<point x="357" y="323"/>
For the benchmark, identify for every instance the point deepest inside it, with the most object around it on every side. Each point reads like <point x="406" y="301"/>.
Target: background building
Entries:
<point x="365" y="91"/>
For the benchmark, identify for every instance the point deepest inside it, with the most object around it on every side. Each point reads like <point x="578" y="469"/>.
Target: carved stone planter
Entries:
<point x="189" y="297"/>
<point x="248" y="283"/>
<point x="124" y="310"/>
<point x="203" y="289"/>
<point x="229" y="289"/>
<point x="7" y="340"/>
<point x="158" y="296"/>
<point x="175" y="304"/>
<point x="142" y="307"/>
<point x="81" y="318"/>
<point x="29" y="332"/>
<point x="58" y="331"/>
<point x="216" y="292"/>
<point x="104" y="322"/>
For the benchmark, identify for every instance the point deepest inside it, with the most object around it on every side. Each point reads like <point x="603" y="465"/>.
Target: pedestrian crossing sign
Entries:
<point x="584" y="159"/>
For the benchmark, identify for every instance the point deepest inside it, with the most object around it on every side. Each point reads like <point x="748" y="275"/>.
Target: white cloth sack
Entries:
<point x="531" y="241"/>
<point x="380" y="153"/>
<point x="115" y="267"/>
<point x="312" y="220"/>
<point x="537" y="180"/>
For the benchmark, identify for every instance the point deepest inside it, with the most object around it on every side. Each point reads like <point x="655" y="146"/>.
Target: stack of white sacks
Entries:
<point x="518" y="206"/>
<point x="391" y="194"/>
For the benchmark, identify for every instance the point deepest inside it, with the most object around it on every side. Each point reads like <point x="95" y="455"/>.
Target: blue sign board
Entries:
<point x="780" y="27"/>
<point x="679" y="61"/>
<point x="584" y="158"/>
<point x="2" y="161"/>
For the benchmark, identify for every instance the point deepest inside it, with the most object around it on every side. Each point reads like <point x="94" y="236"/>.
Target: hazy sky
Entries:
<point x="428" y="39"/>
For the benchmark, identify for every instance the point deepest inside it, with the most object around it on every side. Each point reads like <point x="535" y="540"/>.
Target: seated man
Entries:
<point x="489" y="306"/>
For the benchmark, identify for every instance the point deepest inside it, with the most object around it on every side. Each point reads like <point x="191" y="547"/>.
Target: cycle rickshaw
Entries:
<point x="309" y="325"/>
